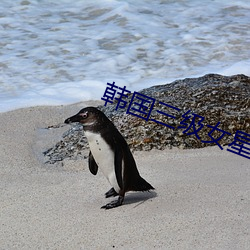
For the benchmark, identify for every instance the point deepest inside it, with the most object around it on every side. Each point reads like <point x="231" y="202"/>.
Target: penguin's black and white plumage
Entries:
<point x="110" y="152"/>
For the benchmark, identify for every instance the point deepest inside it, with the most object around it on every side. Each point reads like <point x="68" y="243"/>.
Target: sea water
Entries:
<point x="61" y="52"/>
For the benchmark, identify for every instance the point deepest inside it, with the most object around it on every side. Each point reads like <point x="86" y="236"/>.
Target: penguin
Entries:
<point x="110" y="152"/>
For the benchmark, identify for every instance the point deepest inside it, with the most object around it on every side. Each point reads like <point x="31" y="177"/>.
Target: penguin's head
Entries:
<point x="88" y="117"/>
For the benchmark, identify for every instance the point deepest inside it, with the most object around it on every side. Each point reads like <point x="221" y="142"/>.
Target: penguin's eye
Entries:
<point x="84" y="115"/>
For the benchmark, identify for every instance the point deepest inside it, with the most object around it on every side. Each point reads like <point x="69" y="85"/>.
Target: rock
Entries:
<point x="216" y="98"/>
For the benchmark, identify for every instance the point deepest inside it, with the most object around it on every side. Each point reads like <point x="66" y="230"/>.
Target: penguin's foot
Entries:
<point x="111" y="193"/>
<point x="113" y="204"/>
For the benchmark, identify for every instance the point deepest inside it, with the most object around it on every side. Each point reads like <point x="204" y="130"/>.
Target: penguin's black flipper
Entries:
<point x="93" y="167"/>
<point x="111" y="193"/>
<point x="118" y="166"/>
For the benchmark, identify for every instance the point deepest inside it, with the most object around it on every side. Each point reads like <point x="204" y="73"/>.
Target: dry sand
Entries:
<point x="201" y="201"/>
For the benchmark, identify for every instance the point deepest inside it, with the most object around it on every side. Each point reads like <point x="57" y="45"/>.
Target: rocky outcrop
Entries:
<point x="213" y="97"/>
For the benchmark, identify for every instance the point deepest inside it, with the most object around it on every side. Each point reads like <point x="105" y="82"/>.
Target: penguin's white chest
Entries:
<point x="104" y="157"/>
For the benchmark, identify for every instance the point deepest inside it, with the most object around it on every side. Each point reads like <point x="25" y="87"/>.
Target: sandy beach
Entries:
<point x="201" y="198"/>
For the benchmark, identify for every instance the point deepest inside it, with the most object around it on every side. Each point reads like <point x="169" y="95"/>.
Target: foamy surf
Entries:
<point x="55" y="53"/>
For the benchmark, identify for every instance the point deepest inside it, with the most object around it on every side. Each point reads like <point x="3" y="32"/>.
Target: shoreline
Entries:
<point x="201" y="198"/>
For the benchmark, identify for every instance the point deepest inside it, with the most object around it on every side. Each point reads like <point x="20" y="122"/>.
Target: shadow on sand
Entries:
<point x="138" y="198"/>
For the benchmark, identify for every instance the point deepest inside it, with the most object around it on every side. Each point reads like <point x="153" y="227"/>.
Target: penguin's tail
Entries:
<point x="141" y="185"/>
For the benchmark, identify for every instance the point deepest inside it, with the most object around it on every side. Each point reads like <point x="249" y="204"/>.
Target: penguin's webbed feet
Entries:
<point x="113" y="204"/>
<point x="111" y="193"/>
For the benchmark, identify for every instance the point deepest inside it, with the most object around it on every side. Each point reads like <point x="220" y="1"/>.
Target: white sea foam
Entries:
<point x="60" y="52"/>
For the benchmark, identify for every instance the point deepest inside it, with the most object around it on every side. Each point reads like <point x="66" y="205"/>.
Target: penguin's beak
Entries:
<point x="74" y="118"/>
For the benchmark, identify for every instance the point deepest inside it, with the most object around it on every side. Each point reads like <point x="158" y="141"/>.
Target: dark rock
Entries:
<point x="216" y="98"/>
